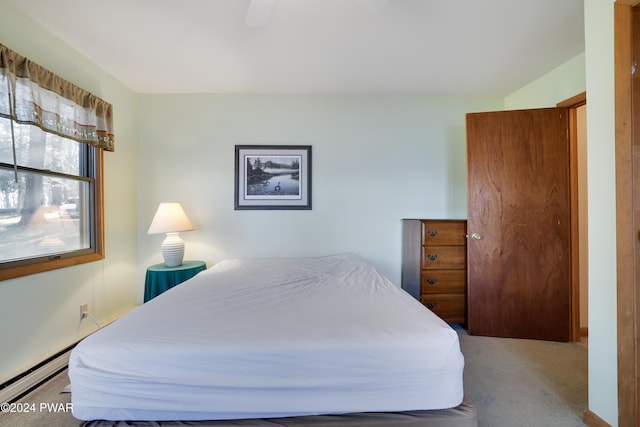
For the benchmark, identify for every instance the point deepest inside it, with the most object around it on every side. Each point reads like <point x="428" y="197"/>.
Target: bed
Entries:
<point x="310" y="339"/>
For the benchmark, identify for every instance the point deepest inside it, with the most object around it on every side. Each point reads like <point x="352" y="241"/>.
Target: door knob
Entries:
<point x="476" y="236"/>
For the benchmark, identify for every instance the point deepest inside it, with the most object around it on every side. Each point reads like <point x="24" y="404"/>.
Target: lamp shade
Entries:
<point x="169" y="218"/>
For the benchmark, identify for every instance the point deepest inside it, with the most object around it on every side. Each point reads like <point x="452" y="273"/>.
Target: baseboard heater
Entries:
<point x="22" y="384"/>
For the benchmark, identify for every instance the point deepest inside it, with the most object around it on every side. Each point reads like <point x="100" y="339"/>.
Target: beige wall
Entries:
<point x="603" y="346"/>
<point x="563" y="82"/>
<point x="376" y="160"/>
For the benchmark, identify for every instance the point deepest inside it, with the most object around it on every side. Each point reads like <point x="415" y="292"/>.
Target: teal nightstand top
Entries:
<point x="186" y="265"/>
<point x="160" y="278"/>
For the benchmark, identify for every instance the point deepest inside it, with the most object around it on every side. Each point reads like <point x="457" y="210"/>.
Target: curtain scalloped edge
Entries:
<point x="18" y="67"/>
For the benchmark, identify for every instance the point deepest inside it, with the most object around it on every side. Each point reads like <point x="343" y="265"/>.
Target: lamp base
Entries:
<point x="172" y="250"/>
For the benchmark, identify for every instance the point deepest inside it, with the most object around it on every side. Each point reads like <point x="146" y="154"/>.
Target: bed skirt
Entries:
<point x="463" y="415"/>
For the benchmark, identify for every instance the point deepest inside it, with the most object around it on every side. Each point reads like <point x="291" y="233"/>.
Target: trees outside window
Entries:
<point x="51" y="211"/>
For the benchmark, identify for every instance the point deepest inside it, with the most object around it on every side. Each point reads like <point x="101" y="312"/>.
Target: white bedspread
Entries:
<point x="270" y="338"/>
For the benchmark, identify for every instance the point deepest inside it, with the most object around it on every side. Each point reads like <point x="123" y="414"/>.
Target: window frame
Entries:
<point x="41" y="264"/>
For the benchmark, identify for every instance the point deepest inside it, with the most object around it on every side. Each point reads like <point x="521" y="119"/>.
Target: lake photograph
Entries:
<point x="276" y="176"/>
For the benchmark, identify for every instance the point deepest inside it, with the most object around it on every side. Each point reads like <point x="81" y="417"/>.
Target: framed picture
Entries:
<point x="273" y="177"/>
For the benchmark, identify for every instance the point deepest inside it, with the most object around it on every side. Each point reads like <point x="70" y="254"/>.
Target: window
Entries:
<point x="49" y="213"/>
<point x="51" y="146"/>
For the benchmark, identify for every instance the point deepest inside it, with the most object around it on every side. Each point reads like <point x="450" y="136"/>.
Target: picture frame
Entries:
<point x="272" y="177"/>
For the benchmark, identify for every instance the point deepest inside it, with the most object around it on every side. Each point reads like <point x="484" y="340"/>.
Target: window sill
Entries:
<point x="26" y="270"/>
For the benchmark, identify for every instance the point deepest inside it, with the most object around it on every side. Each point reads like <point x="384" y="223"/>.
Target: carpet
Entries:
<point x="525" y="383"/>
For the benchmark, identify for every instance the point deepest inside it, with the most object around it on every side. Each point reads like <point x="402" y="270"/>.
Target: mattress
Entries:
<point x="268" y="338"/>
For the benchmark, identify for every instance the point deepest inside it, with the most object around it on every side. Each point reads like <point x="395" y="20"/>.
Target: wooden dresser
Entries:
<point x="434" y="265"/>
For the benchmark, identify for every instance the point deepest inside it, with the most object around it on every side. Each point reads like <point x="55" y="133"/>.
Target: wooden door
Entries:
<point x="519" y="259"/>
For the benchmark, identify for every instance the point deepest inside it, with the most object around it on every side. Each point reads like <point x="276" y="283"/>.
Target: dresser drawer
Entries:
<point x="439" y="233"/>
<point x="443" y="257"/>
<point x="443" y="281"/>
<point x="448" y="307"/>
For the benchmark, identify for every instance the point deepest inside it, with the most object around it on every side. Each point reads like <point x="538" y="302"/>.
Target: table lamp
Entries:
<point x="171" y="219"/>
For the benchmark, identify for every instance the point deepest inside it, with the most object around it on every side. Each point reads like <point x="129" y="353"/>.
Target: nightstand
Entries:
<point x="160" y="277"/>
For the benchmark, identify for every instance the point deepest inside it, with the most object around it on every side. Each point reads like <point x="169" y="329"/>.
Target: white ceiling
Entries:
<point x="433" y="47"/>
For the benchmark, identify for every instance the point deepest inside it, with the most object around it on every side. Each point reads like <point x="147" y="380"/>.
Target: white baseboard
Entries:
<point x="34" y="377"/>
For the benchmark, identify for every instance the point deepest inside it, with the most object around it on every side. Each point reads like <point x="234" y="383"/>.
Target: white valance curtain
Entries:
<point x="31" y="94"/>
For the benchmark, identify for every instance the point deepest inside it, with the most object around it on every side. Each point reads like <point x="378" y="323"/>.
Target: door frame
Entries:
<point x="572" y="104"/>
<point x="627" y="306"/>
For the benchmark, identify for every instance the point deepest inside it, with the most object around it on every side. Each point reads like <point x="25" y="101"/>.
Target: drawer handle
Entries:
<point x="431" y="305"/>
<point x="432" y="233"/>
<point x="432" y="281"/>
<point x="432" y="257"/>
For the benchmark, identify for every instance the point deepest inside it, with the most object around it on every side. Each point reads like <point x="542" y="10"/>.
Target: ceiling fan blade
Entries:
<point x="259" y="12"/>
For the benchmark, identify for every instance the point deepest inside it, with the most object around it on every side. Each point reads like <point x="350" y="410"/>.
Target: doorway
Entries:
<point x="519" y="210"/>
<point x="583" y="253"/>
<point x="526" y="206"/>
<point x="577" y="107"/>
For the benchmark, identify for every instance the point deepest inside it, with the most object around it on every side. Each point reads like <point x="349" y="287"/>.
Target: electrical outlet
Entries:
<point x="84" y="308"/>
